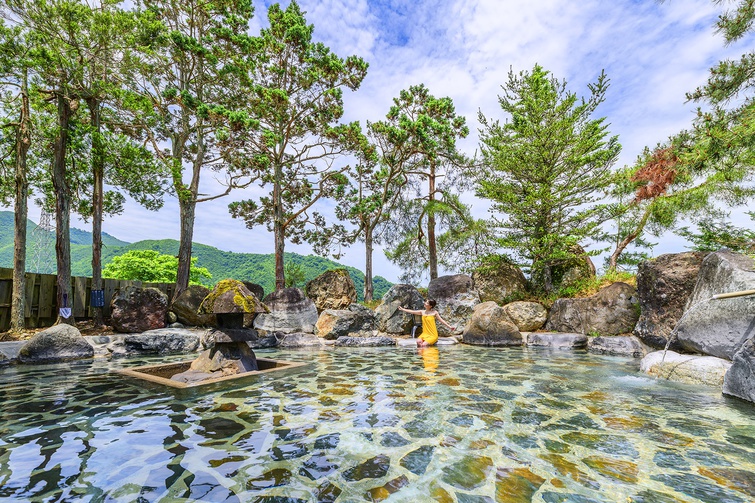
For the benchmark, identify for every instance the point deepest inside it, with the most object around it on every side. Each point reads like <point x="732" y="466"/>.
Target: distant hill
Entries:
<point x="257" y="268"/>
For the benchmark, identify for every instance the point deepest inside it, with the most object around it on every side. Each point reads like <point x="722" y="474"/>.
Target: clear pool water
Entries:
<point x="461" y="424"/>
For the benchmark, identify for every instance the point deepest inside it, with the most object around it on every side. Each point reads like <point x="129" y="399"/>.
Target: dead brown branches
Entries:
<point x="656" y="175"/>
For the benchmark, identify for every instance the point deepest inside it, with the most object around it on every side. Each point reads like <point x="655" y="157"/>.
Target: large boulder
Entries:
<point x="365" y="342"/>
<point x="253" y="339"/>
<point x="232" y="297"/>
<point x="298" y="340"/>
<point x="290" y="311"/>
<point x="491" y="326"/>
<point x="226" y="359"/>
<point x="719" y="327"/>
<point x="135" y="310"/>
<point x="332" y="290"/>
<point x="186" y="307"/>
<point x="215" y="336"/>
<point x="499" y="282"/>
<point x="613" y="310"/>
<point x="664" y="286"/>
<point x="556" y="340"/>
<point x="574" y="271"/>
<point x="256" y="289"/>
<point x="527" y="316"/>
<point x="691" y="369"/>
<point x="356" y="321"/>
<point x="220" y="361"/>
<point x="456" y="297"/>
<point x="58" y="343"/>
<point x="563" y="273"/>
<point x="162" y="341"/>
<point x="392" y="321"/>
<point x="739" y="381"/>
<point x="618" y="345"/>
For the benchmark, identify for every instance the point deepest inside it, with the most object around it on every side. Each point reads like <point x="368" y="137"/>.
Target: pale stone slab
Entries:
<point x="406" y="342"/>
<point x="556" y="340"/>
<point x="442" y="341"/>
<point x="692" y="369"/>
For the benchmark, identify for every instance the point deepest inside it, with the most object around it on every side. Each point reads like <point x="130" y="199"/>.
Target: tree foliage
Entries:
<point x="152" y="267"/>
<point x="427" y="130"/>
<point x="184" y="80"/>
<point x="55" y="67"/>
<point x="550" y="162"/>
<point x="700" y="169"/>
<point x="715" y="232"/>
<point x="719" y="149"/>
<point x="378" y="180"/>
<point x="295" y="275"/>
<point x="290" y="140"/>
<point x="74" y="57"/>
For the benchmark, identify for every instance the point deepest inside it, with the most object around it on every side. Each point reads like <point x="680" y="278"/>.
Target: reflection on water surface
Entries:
<point x="460" y="424"/>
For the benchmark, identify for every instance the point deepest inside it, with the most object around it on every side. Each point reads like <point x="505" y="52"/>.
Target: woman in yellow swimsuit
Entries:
<point x="429" y="329"/>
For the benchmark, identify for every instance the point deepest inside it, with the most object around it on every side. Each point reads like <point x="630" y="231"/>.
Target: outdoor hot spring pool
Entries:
<point x="458" y="423"/>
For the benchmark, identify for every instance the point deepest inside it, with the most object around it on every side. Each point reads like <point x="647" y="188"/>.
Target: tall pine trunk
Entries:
<point x="187" y="208"/>
<point x="23" y="140"/>
<point x="431" y="246"/>
<point x="368" y="248"/>
<point x="62" y="209"/>
<point x="278" y="230"/>
<point x="98" y="171"/>
<point x="187" y="201"/>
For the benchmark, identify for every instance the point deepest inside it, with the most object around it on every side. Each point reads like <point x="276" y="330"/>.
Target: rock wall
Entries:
<point x="664" y="286"/>
<point x="613" y="310"/>
<point x="719" y="327"/>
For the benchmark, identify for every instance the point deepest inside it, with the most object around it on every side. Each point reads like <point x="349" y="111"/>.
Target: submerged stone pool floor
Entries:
<point x="455" y="424"/>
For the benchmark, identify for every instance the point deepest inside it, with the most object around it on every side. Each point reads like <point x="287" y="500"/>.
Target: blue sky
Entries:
<point x="652" y="52"/>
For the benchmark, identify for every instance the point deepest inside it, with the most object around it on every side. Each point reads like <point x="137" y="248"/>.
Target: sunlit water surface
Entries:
<point x="450" y="424"/>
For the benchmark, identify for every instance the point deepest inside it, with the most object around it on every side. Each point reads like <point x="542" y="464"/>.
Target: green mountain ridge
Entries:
<point x="254" y="267"/>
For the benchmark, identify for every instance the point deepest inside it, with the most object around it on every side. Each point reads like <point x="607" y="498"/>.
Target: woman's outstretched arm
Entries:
<point x="438" y="317"/>
<point x="410" y="311"/>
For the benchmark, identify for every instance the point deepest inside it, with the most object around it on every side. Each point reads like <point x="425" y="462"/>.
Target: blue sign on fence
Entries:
<point x="97" y="298"/>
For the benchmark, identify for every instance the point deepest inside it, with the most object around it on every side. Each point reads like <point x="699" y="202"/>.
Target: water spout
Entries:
<point x="731" y="295"/>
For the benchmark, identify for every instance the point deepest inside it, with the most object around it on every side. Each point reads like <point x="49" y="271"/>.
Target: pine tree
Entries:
<point x="15" y="66"/>
<point x="428" y="129"/>
<point x="550" y="163"/>
<point x="186" y="74"/>
<point x="704" y="166"/>
<point x="290" y="139"/>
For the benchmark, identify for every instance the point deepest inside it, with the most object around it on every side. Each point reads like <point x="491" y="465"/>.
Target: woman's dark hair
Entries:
<point x="431" y="302"/>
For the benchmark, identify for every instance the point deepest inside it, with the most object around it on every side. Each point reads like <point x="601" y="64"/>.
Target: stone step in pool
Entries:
<point x="442" y="341"/>
<point x="162" y="373"/>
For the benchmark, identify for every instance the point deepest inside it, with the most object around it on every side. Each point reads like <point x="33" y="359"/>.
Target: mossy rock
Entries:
<point x="231" y="296"/>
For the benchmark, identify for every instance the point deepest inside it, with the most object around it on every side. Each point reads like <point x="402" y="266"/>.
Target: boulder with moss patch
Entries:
<point x="567" y="272"/>
<point x="231" y="297"/>
<point x="499" y="281"/>
<point x="186" y="307"/>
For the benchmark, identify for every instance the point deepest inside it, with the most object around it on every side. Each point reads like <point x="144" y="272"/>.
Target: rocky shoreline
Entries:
<point x="669" y="320"/>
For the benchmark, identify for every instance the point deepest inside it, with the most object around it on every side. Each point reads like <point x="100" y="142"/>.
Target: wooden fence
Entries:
<point x="41" y="294"/>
